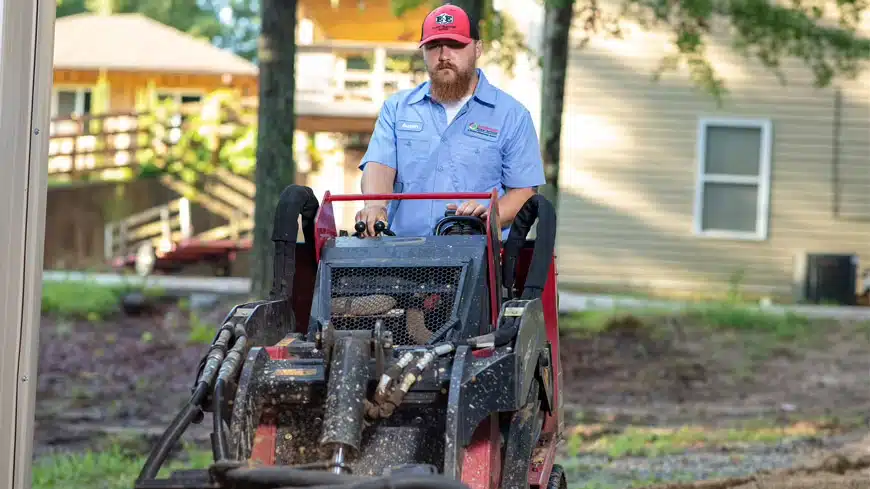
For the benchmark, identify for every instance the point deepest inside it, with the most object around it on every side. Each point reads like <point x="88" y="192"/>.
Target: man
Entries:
<point x="454" y="133"/>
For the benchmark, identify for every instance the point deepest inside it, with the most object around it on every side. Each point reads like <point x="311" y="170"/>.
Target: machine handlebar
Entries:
<point x="419" y="196"/>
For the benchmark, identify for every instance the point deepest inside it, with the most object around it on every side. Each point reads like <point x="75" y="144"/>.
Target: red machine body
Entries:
<point x="482" y="465"/>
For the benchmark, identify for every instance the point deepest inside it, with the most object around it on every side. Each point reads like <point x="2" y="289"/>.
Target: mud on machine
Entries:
<point x="386" y="361"/>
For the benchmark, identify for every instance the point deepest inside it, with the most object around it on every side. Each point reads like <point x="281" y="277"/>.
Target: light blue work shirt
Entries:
<point x="491" y="144"/>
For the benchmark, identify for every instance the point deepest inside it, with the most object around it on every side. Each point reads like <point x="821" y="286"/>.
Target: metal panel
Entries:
<point x="26" y="50"/>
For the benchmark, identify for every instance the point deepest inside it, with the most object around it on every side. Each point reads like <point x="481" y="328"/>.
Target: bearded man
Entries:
<point x="453" y="133"/>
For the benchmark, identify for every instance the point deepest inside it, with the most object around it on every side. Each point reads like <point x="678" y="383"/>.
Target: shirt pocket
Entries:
<point x="413" y="158"/>
<point x="476" y="164"/>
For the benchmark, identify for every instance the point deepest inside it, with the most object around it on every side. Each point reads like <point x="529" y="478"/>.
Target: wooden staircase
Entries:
<point x="163" y="237"/>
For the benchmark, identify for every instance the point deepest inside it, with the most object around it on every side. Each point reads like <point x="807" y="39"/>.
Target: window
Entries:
<point x="179" y="97"/>
<point x="733" y="180"/>
<point x="67" y="102"/>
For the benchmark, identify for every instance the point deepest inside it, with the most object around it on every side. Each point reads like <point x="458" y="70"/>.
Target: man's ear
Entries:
<point x="478" y="49"/>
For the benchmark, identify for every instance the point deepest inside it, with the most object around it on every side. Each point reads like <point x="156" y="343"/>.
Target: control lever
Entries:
<point x="380" y="228"/>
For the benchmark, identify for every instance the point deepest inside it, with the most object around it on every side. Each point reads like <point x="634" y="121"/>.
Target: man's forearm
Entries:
<point x="377" y="179"/>
<point x="511" y="203"/>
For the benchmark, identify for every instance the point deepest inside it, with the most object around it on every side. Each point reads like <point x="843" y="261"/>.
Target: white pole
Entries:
<point x="26" y="59"/>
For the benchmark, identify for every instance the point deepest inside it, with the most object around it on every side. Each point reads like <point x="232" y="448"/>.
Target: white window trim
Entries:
<point x="80" y="97"/>
<point x="762" y="180"/>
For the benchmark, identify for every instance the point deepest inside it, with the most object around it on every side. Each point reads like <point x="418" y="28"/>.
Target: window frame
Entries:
<point x="79" y="90"/>
<point x="761" y="181"/>
<point x="177" y="93"/>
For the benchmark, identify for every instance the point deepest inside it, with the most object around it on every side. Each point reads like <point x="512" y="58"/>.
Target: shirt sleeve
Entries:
<point x="382" y="145"/>
<point x="522" y="165"/>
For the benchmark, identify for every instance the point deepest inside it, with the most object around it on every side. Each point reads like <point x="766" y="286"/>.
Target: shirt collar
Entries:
<point x="484" y="92"/>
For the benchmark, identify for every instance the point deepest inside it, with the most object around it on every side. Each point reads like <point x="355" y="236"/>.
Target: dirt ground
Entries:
<point x="129" y="375"/>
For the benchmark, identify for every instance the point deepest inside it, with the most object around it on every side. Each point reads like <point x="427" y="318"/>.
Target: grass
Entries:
<point x="723" y="316"/>
<point x="86" y="299"/>
<point x="114" y="468"/>
<point x="642" y="441"/>
<point x="201" y="332"/>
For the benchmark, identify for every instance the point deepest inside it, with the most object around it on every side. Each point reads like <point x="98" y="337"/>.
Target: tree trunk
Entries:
<point x="275" y="127"/>
<point x="557" y="26"/>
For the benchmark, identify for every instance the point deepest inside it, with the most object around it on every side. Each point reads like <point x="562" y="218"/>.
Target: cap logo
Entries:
<point x="444" y="19"/>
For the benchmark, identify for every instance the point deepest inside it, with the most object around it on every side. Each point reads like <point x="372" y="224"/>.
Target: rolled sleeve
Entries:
<point x="382" y="145"/>
<point x="522" y="166"/>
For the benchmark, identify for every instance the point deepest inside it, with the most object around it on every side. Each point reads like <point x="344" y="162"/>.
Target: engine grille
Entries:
<point x="413" y="302"/>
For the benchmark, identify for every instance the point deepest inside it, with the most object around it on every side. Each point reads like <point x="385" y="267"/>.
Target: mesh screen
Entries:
<point x="413" y="302"/>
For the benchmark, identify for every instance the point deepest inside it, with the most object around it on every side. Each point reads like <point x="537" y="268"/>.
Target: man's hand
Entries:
<point x="469" y="208"/>
<point x="371" y="214"/>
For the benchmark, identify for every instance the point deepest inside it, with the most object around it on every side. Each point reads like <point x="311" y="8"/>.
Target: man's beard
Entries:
<point x="450" y="84"/>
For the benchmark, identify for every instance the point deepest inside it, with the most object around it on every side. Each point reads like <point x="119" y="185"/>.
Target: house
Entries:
<point x="115" y="62"/>
<point x="664" y="190"/>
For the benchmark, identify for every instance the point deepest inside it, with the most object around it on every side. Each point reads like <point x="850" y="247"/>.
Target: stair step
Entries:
<point x="240" y="184"/>
<point x="230" y="196"/>
<point x="200" y="197"/>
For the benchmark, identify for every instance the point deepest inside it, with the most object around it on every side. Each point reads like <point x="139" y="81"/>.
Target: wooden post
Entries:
<point x="184" y="218"/>
<point x="165" y="227"/>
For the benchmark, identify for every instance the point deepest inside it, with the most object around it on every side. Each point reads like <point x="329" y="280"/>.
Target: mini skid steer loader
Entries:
<point x="386" y="361"/>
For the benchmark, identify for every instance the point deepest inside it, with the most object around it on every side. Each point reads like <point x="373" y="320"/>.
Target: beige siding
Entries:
<point x="629" y="171"/>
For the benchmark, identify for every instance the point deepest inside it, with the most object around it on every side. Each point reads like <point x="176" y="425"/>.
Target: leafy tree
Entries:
<point x="823" y="35"/>
<point x="241" y="32"/>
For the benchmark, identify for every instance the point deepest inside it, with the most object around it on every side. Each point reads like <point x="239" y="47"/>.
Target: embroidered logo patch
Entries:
<point x="444" y="19"/>
<point x="488" y="132"/>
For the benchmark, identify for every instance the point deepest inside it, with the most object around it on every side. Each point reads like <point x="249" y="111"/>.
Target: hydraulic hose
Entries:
<point x="540" y="209"/>
<point x="173" y="432"/>
<point x="229" y="367"/>
<point x="220" y="445"/>
<point x="500" y="337"/>
<point x="294" y="201"/>
<point x="215" y="356"/>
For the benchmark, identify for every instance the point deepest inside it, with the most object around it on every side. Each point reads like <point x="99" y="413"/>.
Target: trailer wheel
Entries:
<point x="557" y="478"/>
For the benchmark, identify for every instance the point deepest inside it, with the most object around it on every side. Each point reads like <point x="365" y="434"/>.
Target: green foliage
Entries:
<point x="718" y="316"/>
<point x="502" y="39"/>
<point x="768" y="32"/>
<point x="86" y="300"/>
<point x="219" y="132"/>
<point x="201" y="332"/>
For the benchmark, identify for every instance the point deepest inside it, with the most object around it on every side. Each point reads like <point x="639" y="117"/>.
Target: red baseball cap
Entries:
<point x="449" y="22"/>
